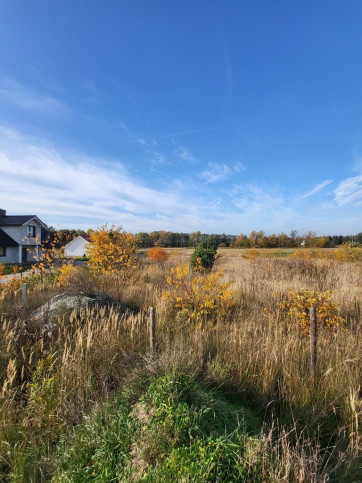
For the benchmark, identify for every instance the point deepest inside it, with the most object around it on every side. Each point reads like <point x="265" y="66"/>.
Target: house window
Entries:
<point x="2" y="252"/>
<point x="31" y="231"/>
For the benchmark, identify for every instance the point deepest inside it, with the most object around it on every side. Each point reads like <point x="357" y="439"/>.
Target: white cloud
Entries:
<point x="316" y="188"/>
<point x="37" y="178"/>
<point x="131" y="135"/>
<point x="158" y="159"/>
<point x="239" y="167"/>
<point x="349" y="190"/>
<point x="14" y="93"/>
<point x="72" y="189"/>
<point x="215" y="173"/>
<point x="183" y="152"/>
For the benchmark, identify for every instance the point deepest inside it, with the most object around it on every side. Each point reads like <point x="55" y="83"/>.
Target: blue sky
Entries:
<point x="219" y="116"/>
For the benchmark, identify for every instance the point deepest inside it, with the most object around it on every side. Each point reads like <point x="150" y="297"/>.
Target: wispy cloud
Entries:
<point x="182" y="152"/>
<point x="239" y="167"/>
<point x="316" y="188"/>
<point x="158" y="159"/>
<point x="215" y="173"/>
<point x="349" y="190"/>
<point x="133" y="137"/>
<point x="14" y="93"/>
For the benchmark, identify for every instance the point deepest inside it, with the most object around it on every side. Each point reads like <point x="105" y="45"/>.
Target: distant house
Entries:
<point x="76" y="248"/>
<point x="20" y="238"/>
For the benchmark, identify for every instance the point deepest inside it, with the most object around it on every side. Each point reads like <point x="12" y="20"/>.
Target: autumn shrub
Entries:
<point x="112" y="249"/>
<point x="203" y="257"/>
<point x="348" y="253"/>
<point x="297" y="304"/>
<point x="64" y="273"/>
<point x="157" y="254"/>
<point x="199" y="297"/>
<point x="308" y="254"/>
<point x="10" y="289"/>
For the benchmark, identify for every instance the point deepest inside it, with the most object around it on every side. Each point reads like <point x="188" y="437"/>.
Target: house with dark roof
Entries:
<point x="20" y="238"/>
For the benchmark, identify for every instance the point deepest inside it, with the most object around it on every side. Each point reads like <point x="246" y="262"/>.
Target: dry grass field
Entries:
<point x="290" y="426"/>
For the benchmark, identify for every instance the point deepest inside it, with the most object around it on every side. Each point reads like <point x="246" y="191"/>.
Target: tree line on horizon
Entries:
<point x="256" y="239"/>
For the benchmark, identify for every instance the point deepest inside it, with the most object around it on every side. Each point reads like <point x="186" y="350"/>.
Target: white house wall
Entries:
<point x="76" y="248"/>
<point x="11" y="255"/>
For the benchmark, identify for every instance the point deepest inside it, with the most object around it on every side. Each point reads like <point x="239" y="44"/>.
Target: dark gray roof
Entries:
<point x="17" y="219"/>
<point x="6" y="240"/>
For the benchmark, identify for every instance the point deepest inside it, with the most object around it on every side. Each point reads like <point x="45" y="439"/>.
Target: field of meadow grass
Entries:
<point x="226" y="396"/>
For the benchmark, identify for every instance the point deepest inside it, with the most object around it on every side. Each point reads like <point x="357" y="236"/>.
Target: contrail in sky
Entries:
<point x="191" y="131"/>
<point x="162" y="136"/>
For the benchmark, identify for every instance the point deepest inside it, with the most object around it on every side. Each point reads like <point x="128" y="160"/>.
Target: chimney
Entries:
<point x="2" y="212"/>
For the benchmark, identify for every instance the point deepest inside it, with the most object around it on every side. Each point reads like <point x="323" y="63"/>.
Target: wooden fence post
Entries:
<point x="313" y="339"/>
<point x="24" y="293"/>
<point x="152" y="329"/>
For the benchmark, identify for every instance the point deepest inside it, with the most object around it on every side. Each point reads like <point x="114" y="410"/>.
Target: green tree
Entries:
<point x="204" y="255"/>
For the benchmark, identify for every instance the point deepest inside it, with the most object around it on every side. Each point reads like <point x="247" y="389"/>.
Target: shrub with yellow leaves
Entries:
<point x="10" y="289"/>
<point x="65" y="272"/>
<point x="297" y="305"/>
<point x="199" y="297"/>
<point x="112" y="249"/>
<point x="348" y="253"/>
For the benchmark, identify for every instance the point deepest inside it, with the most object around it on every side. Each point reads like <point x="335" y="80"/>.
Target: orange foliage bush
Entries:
<point x="157" y="254"/>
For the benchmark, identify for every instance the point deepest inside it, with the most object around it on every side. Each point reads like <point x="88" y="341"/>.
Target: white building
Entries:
<point x="20" y="238"/>
<point x="76" y="248"/>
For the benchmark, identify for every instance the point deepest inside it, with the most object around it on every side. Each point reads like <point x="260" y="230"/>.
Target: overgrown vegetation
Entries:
<point x="227" y="396"/>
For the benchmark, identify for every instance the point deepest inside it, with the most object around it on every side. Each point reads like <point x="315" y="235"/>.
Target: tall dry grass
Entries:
<point x="50" y="380"/>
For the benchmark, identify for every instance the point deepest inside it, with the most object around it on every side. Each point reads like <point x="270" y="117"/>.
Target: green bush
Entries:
<point x="204" y="255"/>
